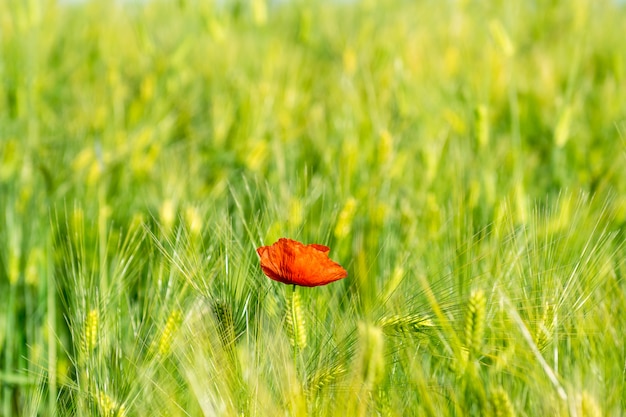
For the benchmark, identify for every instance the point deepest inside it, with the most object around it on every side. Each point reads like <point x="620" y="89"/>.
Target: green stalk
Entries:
<point x="8" y="356"/>
<point x="52" y="331"/>
<point x="294" y="325"/>
<point x="102" y="238"/>
<point x="298" y="343"/>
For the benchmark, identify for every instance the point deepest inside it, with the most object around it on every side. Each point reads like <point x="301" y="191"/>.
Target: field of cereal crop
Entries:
<point x="464" y="161"/>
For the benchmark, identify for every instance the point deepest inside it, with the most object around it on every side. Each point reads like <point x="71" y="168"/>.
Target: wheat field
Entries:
<point x="465" y="161"/>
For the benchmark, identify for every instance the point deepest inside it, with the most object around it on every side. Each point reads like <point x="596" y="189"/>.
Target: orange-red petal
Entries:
<point x="291" y="262"/>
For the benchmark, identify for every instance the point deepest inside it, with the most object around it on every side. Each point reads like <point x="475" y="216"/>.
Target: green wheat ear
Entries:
<point x="294" y="320"/>
<point x="225" y="324"/>
<point x="545" y="326"/>
<point x="588" y="406"/>
<point x="90" y="331"/>
<point x="475" y="322"/>
<point x="372" y="353"/>
<point x="501" y="404"/>
<point x="323" y="377"/>
<point x="108" y="406"/>
<point x="169" y="331"/>
<point x="404" y="325"/>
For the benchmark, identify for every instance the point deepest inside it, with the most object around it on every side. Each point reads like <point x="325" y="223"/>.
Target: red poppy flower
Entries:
<point x="292" y="262"/>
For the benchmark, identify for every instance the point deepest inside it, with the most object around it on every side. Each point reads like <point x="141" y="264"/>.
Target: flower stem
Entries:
<point x="294" y="325"/>
<point x="297" y="329"/>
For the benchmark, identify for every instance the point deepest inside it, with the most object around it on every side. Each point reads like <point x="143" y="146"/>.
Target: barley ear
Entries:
<point x="225" y="324"/>
<point x="475" y="323"/>
<point x="108" y="406"/>
<point x="169" y="331"/>
<point x="501" y="404"/>
<point x="405" y="325"/>
<point x="588" y="406"/>
<point x="545" y="327"/>
<point x="90" y="331"/>
<point x="324" y="377"/>
<point x="372" y="353"/>
<point x="294" y="320"/>
<point x="346" y="217"/>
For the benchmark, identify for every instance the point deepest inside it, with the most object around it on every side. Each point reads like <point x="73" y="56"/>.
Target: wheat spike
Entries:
<point x="225" y="324"/>
<point x="501" y="404"/>
<point x="90" y="331"/>
<point x="475" y="322"/>
<point x="108" y="406"/>
<point x="296" y="328"/>
<point x="323" y="377"/>
<point x="372" y="345"/>
<point x="169" y="331"/>
<point x="589" y="406"/>
<point x="402" y="325"/>
<point x="545" y="327"/>
<point x="346" y="217"/>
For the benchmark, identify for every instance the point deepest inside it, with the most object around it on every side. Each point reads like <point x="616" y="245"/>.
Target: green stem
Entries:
<point x="52" y="331"/>
<point x="297" y="333"/>
<point x="294" y="325"/>
<point x="8" y="354"/>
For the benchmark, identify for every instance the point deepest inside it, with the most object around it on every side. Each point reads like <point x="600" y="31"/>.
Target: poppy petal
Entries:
<point x="291" y="262"/>
<point x="269" y="265"/>
<point x="320" y="248"/>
